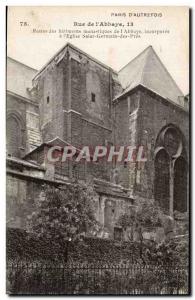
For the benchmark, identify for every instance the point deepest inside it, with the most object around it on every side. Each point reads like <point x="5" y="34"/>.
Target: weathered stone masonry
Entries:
<point x="78" y="100"/>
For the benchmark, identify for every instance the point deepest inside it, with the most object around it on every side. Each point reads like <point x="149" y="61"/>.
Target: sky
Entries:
<point x="35" y="49"/>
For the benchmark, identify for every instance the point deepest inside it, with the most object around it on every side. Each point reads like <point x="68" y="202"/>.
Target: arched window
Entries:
<point x="161" y="182"/>
<point x="172" y="141"/>
<point x="14" y="135"/>
<point x="180" y="185"/>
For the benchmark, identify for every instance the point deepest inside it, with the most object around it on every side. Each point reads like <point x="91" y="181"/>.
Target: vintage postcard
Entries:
<point x="97" y="154"/>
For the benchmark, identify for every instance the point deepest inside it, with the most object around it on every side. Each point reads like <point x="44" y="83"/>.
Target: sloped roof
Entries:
<point x="57" y="141"/>
<point x="19" y="77"/>
<point x="147" y="69"/>
<point x="60" y="54"/>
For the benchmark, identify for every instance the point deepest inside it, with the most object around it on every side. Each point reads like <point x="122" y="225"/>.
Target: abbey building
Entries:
<point x="77" y="100"/>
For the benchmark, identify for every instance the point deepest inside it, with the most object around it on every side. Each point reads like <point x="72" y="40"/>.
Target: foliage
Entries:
<point x="147" y="213"/>
<point x="64" y="214"/>
<point x="167" y="252"/>
<point x="25" y="247"/>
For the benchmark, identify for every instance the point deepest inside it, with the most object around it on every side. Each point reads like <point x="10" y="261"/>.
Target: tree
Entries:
<point x="147" y="213"/>
<point x="169" y="251"/>
<point x="63" y="215"/>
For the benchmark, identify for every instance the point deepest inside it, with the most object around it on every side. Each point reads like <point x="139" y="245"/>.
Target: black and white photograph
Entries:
<point x="98" y="150"/>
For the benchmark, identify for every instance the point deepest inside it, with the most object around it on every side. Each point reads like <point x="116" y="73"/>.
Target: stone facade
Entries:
<point x="77" y="100"/>
<point x="23" y="129"/>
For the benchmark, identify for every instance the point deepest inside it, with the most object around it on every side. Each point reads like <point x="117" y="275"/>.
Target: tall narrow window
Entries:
<point x="118" y="233"/>
<point x="14" y="136"/>
<point x="161" y="183"/>
<point x="180" y="185"/>
<point x="92" y="97"/>
<point x="47" y="99"/>
<point x="171" y="141"/>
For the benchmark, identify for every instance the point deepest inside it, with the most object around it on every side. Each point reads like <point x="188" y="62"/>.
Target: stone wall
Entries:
<point x="154" y="114"/>
<point x="125" y="133"/>
<point x="23" y="131"/>
<point x="144" y="114"/>
<point x="52" y="101"/>
<point x="20" y="196"/>
<point x="89" y="78"/>
<point x="67" y="109"/>
<point x="25" y="183"/>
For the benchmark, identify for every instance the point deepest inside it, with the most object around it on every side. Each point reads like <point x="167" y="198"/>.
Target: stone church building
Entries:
<point x="76" y="99"/>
